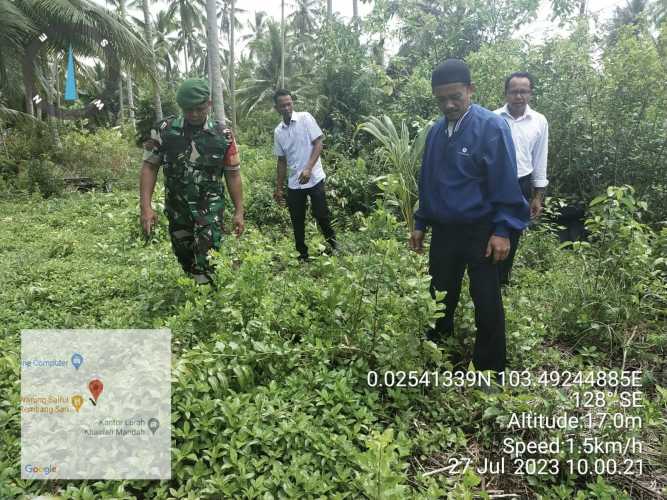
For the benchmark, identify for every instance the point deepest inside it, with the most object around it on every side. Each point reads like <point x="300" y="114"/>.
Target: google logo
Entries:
<point x="36" y="469"/>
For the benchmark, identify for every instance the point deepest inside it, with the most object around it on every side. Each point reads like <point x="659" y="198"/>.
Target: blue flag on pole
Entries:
<point x="70" y="82"/>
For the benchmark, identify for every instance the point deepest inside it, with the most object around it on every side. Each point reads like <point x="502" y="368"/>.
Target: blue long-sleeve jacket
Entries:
<point x="472" y="175"/>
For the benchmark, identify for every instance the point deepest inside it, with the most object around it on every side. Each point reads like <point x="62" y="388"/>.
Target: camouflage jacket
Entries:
<point x="195" y="164"/>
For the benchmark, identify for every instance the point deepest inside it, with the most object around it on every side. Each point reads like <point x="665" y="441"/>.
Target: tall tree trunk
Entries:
<point x="121" y="98"/>
<point x="57" y="85"/>
<point x="329" y="8"/>
<point x="148" y="34"/>
<point x="282" y="43"/>
<point x="355" y="10"/>
<point x="214" y="60"/>
<point x="185" y="52"/>
<point x="582" y="8"/>
<point x="128" y="79"/>
<point x="208" y="69"/>
<point x="130" y="99"/>
<point x="232" y="66"/>
<point x="50" y="104"/>
<point x="28" y="70"/>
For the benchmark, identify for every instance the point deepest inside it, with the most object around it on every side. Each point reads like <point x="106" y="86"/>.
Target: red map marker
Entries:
<point x="95" y="386"/>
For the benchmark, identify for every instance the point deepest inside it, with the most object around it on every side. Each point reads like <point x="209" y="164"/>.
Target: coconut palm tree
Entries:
<point x="148" y="37"/>
<point x="81" y="24"/>
<point x="214" y="60"/>
<point x="267" y="75"/>
<point x="190" y="19"/>
<point x="130" y="90"/>
<point x="304" y="23"/>
<point x="199" y="64"/>
<point x="303" y="19"/>
<point x="225" y="16"/>
<point x="165" y="44"/>
<point x="256" y="29"/>
<point x="16" y="26"/>
<point x="232" y="62"/>
<point x="282" y="43"/>
<point x="229" y="22"/>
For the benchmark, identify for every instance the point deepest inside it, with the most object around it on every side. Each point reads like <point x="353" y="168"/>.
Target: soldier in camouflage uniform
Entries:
<point x="195" y="152"/>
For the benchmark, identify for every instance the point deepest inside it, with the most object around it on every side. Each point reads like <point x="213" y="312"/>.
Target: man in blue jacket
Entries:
<point x="470" y="197"/>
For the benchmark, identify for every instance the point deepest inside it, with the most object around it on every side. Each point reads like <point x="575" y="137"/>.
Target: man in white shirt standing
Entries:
<point x="530" y="132"/>
<point x="297" y="142"/>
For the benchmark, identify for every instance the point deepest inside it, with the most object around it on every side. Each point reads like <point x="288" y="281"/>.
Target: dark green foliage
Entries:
<point x="346" y="86"/>
<point x="606" y="121"/>
<point x="103" y="158"/>
<point x="433" y="31"/>
<point x="100" y="156"/>
<point x="45" y="177"/>
<point x="257" y="128"/>
<point x="145" y="113"/>
<point x="9" y="169"/>
<point x="350" y="185"/>
<point x="625" y="281"/>
<point x="26" y="141"/>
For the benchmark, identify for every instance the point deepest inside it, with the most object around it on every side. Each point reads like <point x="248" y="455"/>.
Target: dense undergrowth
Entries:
<point x="269" y="384"/>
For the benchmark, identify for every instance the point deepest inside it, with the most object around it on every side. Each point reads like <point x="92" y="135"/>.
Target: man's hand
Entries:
<point x="499" y="247"/>
<point x="150" y="144"/>
<point x="305" y="174"/>
<point x="279" y="197"/>
<point x="417" y="241"/>
<point x="239" y="223"/>
<point x="535" y="207"/>
<point x="148" y="220"/>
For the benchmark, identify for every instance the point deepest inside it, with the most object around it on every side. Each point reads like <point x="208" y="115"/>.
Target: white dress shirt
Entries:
<point x="530" y="134"/>
<point x="295" y="143"/>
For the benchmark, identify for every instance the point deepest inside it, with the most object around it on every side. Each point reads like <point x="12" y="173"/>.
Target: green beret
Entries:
<point x="192" y="92"/>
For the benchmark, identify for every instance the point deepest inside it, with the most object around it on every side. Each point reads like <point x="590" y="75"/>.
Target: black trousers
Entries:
<point x="455" y="248"/>
<point x="505" y="267"/>
<point x="297" y="201"/>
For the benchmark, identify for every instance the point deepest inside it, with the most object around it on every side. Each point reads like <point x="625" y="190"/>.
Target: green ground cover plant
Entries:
<point x="270" y="395"/>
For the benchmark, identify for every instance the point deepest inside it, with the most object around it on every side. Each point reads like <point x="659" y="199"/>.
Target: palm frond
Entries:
<point x="403" y="157"/>
<point x="84" y="25"/>
<point x="16" y="25"/>
<point x="8" y="114"/>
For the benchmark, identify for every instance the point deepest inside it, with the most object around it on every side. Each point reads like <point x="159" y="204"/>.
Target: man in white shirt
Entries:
<point x="530" y="133"/>
<point x="297" y="142"/>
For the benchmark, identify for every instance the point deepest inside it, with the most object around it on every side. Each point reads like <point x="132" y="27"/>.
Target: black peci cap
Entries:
<point x="451" y="71"/>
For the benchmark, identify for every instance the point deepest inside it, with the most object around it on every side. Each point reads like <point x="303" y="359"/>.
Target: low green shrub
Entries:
<point x="256" y="129"/>
<point x="101" y="156"/>
<point x="27" y="141"/>
<point x="45" y="177"/>
<point x="351" y="188"/>
<point x="270" y="380"/>
<point x="9" y="173"/>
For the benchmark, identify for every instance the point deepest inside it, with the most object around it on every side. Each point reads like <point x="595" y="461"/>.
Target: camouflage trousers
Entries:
<point x="194" y="229"/>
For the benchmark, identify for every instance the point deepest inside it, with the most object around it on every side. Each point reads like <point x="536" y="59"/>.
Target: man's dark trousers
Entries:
<point x="297" y="204"/>
<point x="505" y="267"/>
<point x="455" y="247"/>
